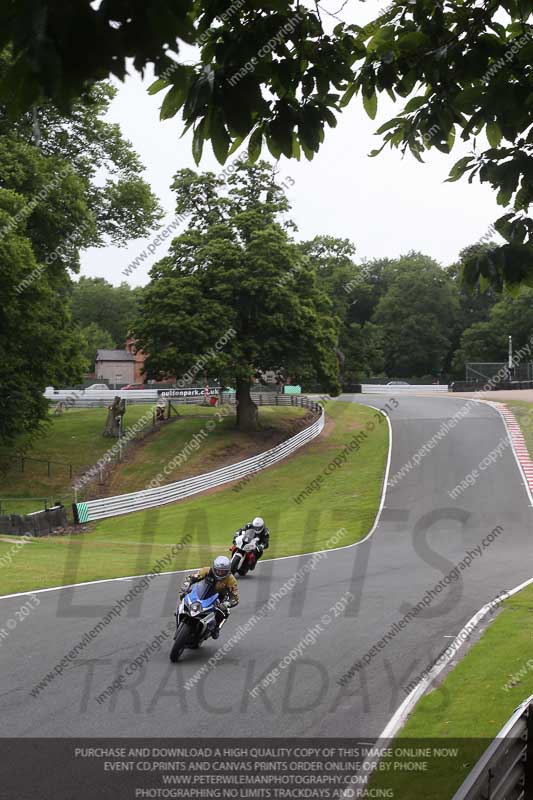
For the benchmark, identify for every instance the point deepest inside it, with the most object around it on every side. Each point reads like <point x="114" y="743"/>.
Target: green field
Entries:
<point x="131" y="544"/>
<point x="75" y="437"/>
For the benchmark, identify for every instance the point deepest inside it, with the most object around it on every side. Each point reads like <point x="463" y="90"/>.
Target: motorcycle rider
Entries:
<point x="258" y="527"/>
<point x="224" y="583"/>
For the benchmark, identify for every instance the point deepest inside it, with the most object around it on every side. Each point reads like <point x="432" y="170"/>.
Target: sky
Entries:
<point x="386" y="205"/>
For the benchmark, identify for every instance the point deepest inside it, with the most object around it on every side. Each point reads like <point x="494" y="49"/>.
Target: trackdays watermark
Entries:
<point x="137" y="663"/>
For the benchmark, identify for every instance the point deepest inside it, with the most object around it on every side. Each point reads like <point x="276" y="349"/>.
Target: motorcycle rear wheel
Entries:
<point x="180" y="641"/>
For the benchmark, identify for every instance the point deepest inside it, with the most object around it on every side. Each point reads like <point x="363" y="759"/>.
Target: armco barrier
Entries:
<point x="104" y="398"/>
<point x="370" y="388"/>
<point x="169" y="493"/>
<point x="505" y="770"/>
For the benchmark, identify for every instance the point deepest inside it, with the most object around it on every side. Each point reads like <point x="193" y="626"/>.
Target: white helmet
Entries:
<point x="221" y="567"/>
<point x="258" y="524"/>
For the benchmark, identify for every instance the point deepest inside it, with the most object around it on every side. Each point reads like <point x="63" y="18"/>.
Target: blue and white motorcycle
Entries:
<point x="196" y="617"/>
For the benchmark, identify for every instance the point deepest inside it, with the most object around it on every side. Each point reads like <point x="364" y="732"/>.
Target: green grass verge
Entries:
<point x="348" y="497"/>
<point x="473" y="702"/>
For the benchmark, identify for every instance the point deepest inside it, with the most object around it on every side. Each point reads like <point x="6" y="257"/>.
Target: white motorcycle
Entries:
<point x="244" y="552"/>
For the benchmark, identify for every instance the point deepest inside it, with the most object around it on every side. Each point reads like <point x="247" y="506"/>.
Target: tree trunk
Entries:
<point x="247" y="414"/>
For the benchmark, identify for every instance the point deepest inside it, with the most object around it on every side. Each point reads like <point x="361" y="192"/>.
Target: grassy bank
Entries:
<point x="473" y="703"/>
<point x="76" y="438"/>
<point x="347" y="497"/>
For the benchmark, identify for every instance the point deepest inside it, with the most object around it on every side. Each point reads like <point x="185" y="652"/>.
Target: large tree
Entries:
<point x="235" y="297"/>
<point x="38" y="342"/>
<point x="93" y="339"/>
<point x="56" y="201"/>
<point x="475" y="303"/>
<point x="348" y="286"/>
<point x="488" y="341"/>
<point x="112" y="308"/>
<point x="417" y="314"/>
<point x="279" y="71"/>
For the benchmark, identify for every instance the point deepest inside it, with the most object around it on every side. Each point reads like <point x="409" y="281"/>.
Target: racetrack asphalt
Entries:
<point x="422" y="534"/>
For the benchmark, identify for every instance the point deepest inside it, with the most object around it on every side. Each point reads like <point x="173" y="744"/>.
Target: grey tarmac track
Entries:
<point x="422" y="534"/>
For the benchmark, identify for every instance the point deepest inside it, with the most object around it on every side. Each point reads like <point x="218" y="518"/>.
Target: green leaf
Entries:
<point x="468" y="99"/>
<point x="157" y="86"/>
<point x="348" y="94"/>
<point x="235" y="146"/>
<point x="296" y="149"/>
<point x="451" y="139"/>
<point x="173" y="101"/>
<point x="374" y="153"/>
<point x="220" y="138"/>
<point x="371" y="105"/>
<point x="198" y="141"/>
<point x="459" y="169"/>
<point x="415" y="103"/>
<point x="413" y="41"/>
<point x="391" y="123"/>
<point x="330" y="117"/>
<point x="273" y="146"/>
<point x="494" y="134"/>
<point x="255" y="145"/>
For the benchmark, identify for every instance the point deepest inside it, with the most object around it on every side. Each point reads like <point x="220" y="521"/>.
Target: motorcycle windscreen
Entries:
<point x="204" y="592"/>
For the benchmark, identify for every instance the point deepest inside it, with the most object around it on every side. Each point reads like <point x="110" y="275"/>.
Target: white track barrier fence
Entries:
<point x="169" y="493"/>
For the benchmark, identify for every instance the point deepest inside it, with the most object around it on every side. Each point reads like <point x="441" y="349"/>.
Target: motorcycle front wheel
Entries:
<point x="180" y="641"/>
<point x="235" y="563"/>
<point x="245" y="567"/>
